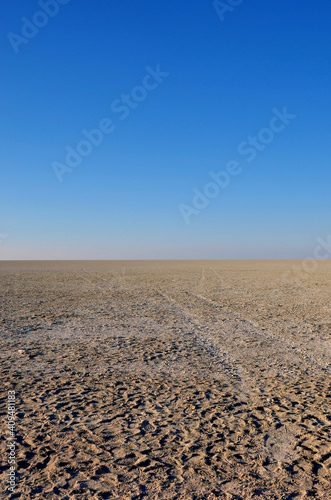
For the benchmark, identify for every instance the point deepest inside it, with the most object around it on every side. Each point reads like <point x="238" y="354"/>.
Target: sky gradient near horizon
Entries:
<point x="178" y="92"/>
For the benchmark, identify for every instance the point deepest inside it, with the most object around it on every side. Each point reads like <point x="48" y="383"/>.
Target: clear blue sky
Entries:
<point x="225" y="78"/>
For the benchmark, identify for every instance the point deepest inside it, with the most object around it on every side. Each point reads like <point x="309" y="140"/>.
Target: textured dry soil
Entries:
<point x="167" y="380"/>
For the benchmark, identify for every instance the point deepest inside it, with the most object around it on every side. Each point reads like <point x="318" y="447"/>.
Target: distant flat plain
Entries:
<point x="168" y="379"/>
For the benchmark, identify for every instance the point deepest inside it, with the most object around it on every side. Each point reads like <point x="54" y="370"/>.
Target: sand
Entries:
<point x="167" y="380"/>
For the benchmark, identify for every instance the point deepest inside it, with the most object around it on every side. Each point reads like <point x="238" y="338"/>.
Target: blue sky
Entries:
<point x="224" y="79"/>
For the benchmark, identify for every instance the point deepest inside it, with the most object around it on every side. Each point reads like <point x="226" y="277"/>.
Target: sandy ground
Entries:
<point x="167" y="380"/>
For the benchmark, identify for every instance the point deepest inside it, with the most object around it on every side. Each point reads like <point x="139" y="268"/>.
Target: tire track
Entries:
<point x="299" y="350"/>
<point x="283" y="344"/>
<point x="212" y="344"/>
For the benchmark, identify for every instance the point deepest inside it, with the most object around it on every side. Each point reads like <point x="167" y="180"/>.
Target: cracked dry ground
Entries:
<point x="167" y="380"/>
